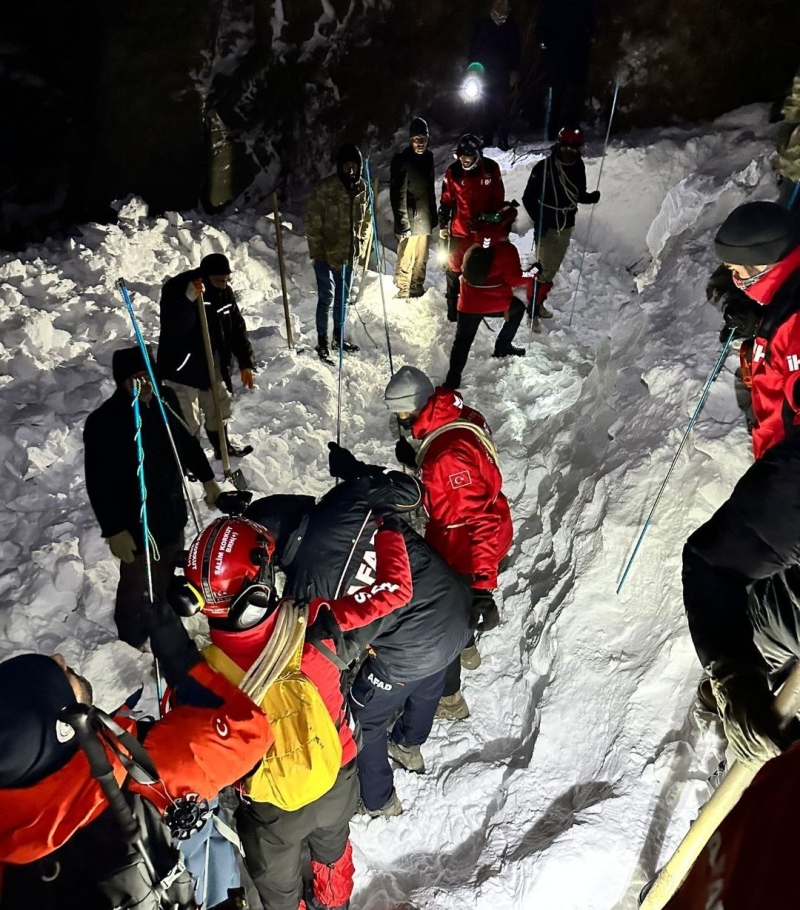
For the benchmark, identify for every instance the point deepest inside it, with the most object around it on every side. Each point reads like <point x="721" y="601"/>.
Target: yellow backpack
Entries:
<point x="304" y="761"/>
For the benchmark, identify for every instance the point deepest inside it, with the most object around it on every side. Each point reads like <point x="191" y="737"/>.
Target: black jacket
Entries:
<point x="412" y="192"/>
<point x="181" y="354"/>
<point x="111" y="468"/>
<point x="565" y="187"/>
<point x="741" y="569"/>
<point x="331" y="554"/>
<point x="497" y="47"/>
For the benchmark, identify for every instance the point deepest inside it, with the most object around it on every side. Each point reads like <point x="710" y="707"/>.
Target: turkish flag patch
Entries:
<point x="461" y="479"/>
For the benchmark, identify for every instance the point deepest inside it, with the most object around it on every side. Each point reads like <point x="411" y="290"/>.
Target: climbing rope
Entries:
<point x="379" y="254"/>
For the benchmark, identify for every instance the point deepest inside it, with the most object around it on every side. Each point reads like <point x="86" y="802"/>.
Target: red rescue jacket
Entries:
<point x="244" y="647"/>
<point x="467" y="194"/>
<point x="750" y="861"/>
<point x="776" y="354"/>
<point x="505" y="274"/>
<point x="195" y="749"/>
<point x="469" y="519"/>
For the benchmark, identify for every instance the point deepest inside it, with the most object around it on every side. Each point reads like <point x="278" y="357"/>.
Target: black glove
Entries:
<point x="592" y="197"/>
<point x="342" y="463"/>
<point x="406" y="453"/>
<point x="743" y="315"/>
<point x="175" y="652"/>
<point x="485" y="615"/>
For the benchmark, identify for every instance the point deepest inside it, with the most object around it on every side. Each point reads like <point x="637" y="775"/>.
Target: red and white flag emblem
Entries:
<point x="461" y="479"/>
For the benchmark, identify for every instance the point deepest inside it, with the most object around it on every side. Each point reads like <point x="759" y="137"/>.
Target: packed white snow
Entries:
<point x="584" y="759"/>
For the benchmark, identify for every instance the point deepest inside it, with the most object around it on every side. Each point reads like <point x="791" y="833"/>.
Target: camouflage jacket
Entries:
<point x="788" y="159"/>
<point x="338" y="223"/>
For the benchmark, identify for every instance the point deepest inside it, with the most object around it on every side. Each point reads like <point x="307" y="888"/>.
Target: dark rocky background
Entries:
<point x="212" y="102"/>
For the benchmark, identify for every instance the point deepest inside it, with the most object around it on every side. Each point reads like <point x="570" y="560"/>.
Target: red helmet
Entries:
<point x="228" y="574"/>
<point x="569" y="136"/>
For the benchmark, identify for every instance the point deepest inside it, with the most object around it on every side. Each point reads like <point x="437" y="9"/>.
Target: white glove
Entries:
<point x="213" y="491"/>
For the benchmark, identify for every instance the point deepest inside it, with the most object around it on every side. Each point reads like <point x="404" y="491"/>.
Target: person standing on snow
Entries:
<point x="412" y="193"/>
<point x="741" y="569"/>
<point x="182" y="361"/>
<point x="491" y="272"/>
<point x="561" y="179"/>
<point x="497" y="46"/>
<point x="469" y="520"/>
<point x="60" y="839"/>
<point x="229" y="577"/>
<point x="112" y="482"/>
<point x="338" y="226"/>
<point x="472" y="185"/>
<point x="787" y="158"/>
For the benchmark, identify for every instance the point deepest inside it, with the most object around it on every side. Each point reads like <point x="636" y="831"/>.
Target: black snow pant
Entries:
<point x="273" y="839"/>
<point x="374" y="702"/>
<point x="452" y="678"/>
<point x="496" y="112"/>
<point x="466" y="329"/>
<point x="132" y="606"/>
<point x="451" y="294"/>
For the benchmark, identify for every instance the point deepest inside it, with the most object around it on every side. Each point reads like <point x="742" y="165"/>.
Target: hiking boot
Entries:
<point x="471" y="657"/>
<point x="509" y="350"/>
<point x="705" y="695"/>
<point x="347" y="347"/>
<point x="417" y="290"/>
<point x="536" y="326"/>
<point x="322" y="349"/>
<point x="409" y="757"/>
<point x="234" y="451"/>
<point x="392" y="808"/>
<point x="543" y="312"/>
<point x="402" y="294"/>
<point x="452" y="707"/>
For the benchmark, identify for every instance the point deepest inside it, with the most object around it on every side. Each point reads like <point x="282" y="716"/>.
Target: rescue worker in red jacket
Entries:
<point x="472" y="185"/>
<point x="58" y="834"/>
<point x="749" y="861"/>
<point x="229" y="576"/>
<point x="741" y="571"/>
<point x="469" y="520"/>
<point x="491" y="273"/>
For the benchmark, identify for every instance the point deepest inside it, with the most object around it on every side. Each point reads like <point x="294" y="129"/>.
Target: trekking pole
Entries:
<point x="591" y="215"/>
<point x="736" y="781"/>
<point x="540" y="227"/>
<point x="236" y="477"/>
<point x="81" y="719"/>
<point x="148" y="540"/>
<point x="706" y="389"/>
<point x="282" y="267"/>
<point x="341" y="356"/>
<point x="379" y="256"/>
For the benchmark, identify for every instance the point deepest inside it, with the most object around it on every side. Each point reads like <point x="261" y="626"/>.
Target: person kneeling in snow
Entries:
<point x="399" y="615"/>
<point x="556" y="186"/>
<point x="112" y="483"/>
<point x="490" y="272"/>
<point x="60" y="838"/>
<point x="469" y="521"/>
<point x="741" y="569"/>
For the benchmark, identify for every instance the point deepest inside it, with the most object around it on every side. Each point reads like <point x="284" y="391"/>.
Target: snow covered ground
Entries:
<point x="584" y="759"/>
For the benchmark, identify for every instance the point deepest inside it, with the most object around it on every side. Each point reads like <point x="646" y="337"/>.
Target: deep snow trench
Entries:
<point x="584" y="760"/>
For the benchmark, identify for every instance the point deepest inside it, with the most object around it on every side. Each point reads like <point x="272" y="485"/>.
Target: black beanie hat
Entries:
<point x="33" y="742"/>
<point x="127" y="362"/>
<point x="349" y="152"/>
<point x="757" y="233"/>
<point x="215" y="264"/>
<point x="418" y="127"/>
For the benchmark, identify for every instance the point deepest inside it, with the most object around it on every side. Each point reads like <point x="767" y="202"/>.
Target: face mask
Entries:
<point x="406" y="422"/>
<point x="744" y="283"/>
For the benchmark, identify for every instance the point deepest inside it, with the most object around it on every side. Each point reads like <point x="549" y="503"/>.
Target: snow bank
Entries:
<point x="583" y="760"/>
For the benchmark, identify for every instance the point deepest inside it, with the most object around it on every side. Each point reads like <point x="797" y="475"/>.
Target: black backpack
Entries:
<point x="124" y="859"/>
